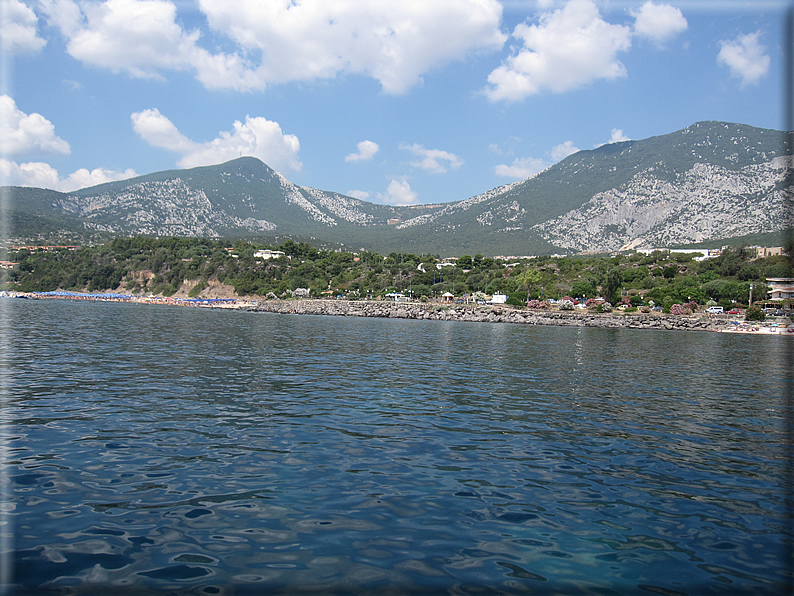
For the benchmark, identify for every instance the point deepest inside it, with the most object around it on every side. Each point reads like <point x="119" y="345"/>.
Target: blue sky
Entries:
<point x="394" y="102"/>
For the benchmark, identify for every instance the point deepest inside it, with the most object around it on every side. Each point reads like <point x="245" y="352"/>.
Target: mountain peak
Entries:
<point x="709" y="181"/>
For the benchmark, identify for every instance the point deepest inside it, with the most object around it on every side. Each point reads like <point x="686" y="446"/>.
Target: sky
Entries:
<point x="396" y="102"/>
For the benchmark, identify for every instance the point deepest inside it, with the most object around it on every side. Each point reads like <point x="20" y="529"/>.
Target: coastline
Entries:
<point x="442" y="312"/>
<point x="503" y="314"/>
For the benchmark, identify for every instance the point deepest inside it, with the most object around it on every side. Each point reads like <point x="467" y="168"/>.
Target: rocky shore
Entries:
<point x="493" y="314"/>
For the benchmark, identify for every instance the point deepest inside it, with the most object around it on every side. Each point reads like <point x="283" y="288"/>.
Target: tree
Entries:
<point x="749" y="272"/>
<point x="754" y="313"/>
<point x="465" y="262"/>
<point x="583" y="287"/>
<point x="612" y="284"/>
<point x="526" y="279"/>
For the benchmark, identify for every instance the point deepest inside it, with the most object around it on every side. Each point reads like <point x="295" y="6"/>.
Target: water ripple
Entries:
<point x="154" y="448"/>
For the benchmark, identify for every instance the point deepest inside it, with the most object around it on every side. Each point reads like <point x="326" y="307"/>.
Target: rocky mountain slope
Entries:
<point x="710" y="180"/>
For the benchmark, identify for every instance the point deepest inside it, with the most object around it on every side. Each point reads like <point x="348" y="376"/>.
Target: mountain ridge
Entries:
<point x="708" y="180"/>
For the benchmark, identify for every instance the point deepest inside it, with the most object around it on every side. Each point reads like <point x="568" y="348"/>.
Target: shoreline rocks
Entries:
<point x="490" y="314"/>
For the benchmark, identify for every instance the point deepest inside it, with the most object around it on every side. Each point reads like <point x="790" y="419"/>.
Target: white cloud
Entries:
<point x="137" y="36"/>
<point x="358" y="194"/>
<point x="398" y="193"/>
<point x="745" y="57"/>
<point x="393" y="42"/>
<point x="563" y="150"/>
<point x="83" y="178"/>
<point x="18" y="28"/>
<point x="25" y="133"/>
<point x="43" y="175"/>
<point x="566" y="49"/>
<point x="159" y="131"/>
<point x="63" y="14"/>
<point x="432" y="158"/>
<point x="522" y="167"/>
<point x="658" y="22"/>
<point x="618" y="136"/>
<point x="257" y="137"/>
<point x="366" y="151"/>
<point x="279" y="41"/>
<point x="29" y="174"/>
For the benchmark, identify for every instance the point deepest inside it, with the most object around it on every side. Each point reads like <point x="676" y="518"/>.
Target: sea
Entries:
<point x="171" y="450"/>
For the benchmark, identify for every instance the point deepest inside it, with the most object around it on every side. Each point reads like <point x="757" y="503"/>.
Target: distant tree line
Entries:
<point x="164" y="265"/>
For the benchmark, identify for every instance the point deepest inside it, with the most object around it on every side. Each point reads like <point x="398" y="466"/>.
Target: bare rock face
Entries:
<point x="707" y="201"/>
<point x="711" y="180"/>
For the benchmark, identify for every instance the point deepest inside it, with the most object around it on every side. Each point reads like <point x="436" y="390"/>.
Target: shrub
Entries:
<point x="754" y="314"/>
<point x="680" y="309"/>
<point x="197" y="289"/>
<point x="536" y="304"/>
<point x="565" y="304"/>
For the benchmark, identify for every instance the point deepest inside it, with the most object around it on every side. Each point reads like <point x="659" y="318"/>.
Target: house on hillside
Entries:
<point x="781" y="288"/>
<point x="268" y="254"/>
<point x="767" y="251"/>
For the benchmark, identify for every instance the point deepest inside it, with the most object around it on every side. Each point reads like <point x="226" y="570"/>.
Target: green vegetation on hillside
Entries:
<point x="244" y="198"/>
<point x="164" y="266"/>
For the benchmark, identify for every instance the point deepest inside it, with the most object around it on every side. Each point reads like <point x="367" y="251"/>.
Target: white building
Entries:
<point x="268" y="254"/>
<point x="782" y="288"/>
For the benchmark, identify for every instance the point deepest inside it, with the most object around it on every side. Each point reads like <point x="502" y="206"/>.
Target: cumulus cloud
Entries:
<point x="358" y="194"/>
<point x="617" y="136"/>
<point x="63" y="14"/>
<point x="563" y="150"/>
<point x="658" y="22"/>
<point x="745" y="57"/>
<point x="398" y="193"/>
<point x="159" y="131"/>
<point x="276" y="42"/>
<point x="83" y="178"/>
<point x="393" y="42"/>
<point x="257" y="137"/>
<point x="18" y="34"/>
<point x="43" y="175"/>
<point x="432" y="158"/>
<point x="524" y="167"/>
<point x="22" y="133"/>
<point x="567" y="48"/>
<point x="366" y="151"/>
<point x="137" y="36"/>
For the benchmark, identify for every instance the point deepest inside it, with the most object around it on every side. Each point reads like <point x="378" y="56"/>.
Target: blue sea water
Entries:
<point x="167" y="450"/>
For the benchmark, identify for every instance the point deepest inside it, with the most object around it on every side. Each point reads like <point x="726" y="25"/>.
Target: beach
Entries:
<point x="433" y="311"/>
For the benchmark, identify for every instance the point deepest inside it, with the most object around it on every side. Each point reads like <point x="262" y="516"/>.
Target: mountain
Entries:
<point x="709" y="181"/>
